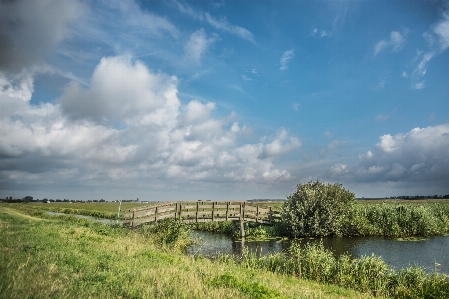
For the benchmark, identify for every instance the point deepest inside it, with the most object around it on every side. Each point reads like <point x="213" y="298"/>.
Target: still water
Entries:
<point x="431" y="253"/>
<point x="94" y="219"/>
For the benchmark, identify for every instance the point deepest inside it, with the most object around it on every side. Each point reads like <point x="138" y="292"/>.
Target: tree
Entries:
<point x="316" y="209"/>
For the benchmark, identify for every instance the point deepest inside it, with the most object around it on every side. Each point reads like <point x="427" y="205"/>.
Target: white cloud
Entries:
<point x="384" y="117"/>
<point x="415" y="158"/>
<point x="224" y="25"/>
<point x="127" y="129"/>
<point x="295" y="106"/>
<point x="320" y="33"/>
<point x="395" y="43"/>
<point x="285" y="59"/>
<point x="418" y="85"/>
<point x="120" y="91"/>
<point x="197" y="45"/>
<point x="281" y="145"/>
<point x="219" y="23"/>
<point x="439" y="32"/>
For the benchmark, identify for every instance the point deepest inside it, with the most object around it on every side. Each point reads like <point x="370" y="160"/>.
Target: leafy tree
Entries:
<point x="316" y="209"/>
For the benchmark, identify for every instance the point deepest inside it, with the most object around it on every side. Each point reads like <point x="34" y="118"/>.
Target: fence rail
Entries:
<point x="201" y="211"/>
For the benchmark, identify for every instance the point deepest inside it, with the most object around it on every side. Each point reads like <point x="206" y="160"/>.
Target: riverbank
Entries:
<point x="74" y="257"/>
<point x="64" y="257"/>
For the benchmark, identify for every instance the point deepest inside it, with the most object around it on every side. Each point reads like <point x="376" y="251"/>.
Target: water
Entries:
<point x="431" y="253"/>
<point x="95" y="219"/>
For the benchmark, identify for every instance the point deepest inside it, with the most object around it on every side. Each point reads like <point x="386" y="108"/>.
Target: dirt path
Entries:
<point x="6" y="210"/>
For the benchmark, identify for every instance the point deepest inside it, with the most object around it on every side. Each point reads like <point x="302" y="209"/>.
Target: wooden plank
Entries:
<point x="188" y="207"/>
<point x="234" y="206"/>
<point x="166" y="209"/>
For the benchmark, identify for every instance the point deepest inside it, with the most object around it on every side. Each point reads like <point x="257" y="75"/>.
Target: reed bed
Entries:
<point x="397" y="220"/>
<point x="368" y="274"/>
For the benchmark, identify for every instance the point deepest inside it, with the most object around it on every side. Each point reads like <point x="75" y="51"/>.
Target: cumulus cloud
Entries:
<point x="120" y="91"/>
<point x="30" y="29"/>
<point x="281" y="145"/>
<point x="419" y="156"/>
<point x="128" y="127"/>
<point x="395" y="43"/>
<point x="285" y="59"/>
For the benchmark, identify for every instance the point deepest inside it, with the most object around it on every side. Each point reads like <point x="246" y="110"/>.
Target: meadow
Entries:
<point x="45" y="256"/>
<point x="106" y="210"/>
<point x="66" y="257"/>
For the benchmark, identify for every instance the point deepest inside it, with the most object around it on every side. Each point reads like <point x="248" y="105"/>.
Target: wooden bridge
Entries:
<point x="202" y="211"/>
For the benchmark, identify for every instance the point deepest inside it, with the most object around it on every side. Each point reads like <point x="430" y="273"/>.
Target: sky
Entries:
<point x="222" y="100"/>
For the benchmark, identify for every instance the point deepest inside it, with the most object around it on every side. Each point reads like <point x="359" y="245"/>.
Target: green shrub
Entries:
<point x="317" y="209"/>
<point x="168" y="232"/>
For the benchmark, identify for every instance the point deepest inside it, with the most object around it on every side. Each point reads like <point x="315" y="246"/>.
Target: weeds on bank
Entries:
<point x="369" y="274"/>
<point x="397" y="220"/>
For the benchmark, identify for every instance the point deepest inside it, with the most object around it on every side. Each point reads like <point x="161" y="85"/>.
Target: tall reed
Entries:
<point x="397" y="220"/>
<point x="369" y="274"/>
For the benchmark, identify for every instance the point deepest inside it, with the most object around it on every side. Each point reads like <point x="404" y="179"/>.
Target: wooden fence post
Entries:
<point x="257" y="213"/>
<point x="176" y="210"/>
<point x="134" y="215"/>
<point x="155" y="215"/>
<point x="242" y="221"/>
<point x="227" y="210"/>
<point x="118" y="214"/>
<point x="270" y="216"/>
<point x="213" y="210"/>
<point x="197" y="208"/>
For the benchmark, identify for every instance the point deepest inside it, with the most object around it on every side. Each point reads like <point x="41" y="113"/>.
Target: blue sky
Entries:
<point x="165" y="100"/>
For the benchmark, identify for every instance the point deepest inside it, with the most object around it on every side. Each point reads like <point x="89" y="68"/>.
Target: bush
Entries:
<point x="168" y="232"/>
<point x="317" y="209"/>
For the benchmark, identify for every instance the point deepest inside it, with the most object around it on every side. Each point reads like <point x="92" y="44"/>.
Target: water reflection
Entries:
<point x="431" y="253"/>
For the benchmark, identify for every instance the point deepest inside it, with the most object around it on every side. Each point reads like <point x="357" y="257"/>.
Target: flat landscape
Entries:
<point x="51" y="257"/>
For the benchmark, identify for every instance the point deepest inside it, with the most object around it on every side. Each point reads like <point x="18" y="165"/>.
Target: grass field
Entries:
<point x="91" y="206"/>
<point x="64" y="257"/>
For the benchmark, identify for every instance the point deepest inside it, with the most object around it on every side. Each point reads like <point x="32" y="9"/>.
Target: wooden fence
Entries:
<point x="200" y="211"/>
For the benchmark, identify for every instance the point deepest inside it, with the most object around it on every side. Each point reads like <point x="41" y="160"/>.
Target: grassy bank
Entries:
<point x="107" y="210"/>
<point x="368" y="274"/>
<point x="63" y="257"/>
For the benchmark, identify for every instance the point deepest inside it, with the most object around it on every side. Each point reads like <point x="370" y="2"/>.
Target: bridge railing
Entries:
<point x="200" y="211"/>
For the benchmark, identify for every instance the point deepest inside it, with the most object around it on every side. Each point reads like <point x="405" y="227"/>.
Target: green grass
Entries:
<point x="106" y="210"/>
<point x="63" y="257"/>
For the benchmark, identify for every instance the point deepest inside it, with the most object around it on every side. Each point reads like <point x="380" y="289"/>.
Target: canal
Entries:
<point x="431" y="253"/>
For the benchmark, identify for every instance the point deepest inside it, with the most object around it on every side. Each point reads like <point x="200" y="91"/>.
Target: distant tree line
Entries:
<point x="45" y="200"/>
<point x="408" y="197"/>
